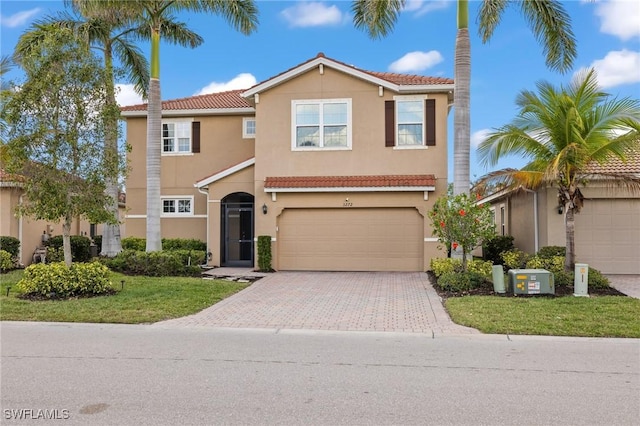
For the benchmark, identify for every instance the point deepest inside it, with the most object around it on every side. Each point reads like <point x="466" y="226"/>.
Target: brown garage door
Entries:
<point x="608" y="235"/>
<point x="385" y="239"/>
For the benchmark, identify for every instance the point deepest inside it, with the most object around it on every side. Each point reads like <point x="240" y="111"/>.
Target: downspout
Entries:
<point x="20" y="231"/>
<point x="206" y="192"/>
<point x="535" y="217"/>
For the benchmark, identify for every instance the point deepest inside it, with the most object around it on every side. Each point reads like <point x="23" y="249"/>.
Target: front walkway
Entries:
<point x="356" y="301"/>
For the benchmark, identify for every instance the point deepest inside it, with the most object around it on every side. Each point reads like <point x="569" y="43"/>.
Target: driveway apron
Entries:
<point x="348" y="301"/>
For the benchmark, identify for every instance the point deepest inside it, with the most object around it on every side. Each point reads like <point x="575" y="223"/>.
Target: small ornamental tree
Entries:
<point x="458" y="222"/>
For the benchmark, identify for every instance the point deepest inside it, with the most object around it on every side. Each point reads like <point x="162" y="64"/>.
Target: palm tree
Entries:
<point x="564" y="132"/>
<point x="548" y="20"/>
<point x="156" y="20"/>
<point x="112" y="36"/>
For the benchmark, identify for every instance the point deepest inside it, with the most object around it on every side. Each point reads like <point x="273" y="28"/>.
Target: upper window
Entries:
<point x="410" y="119"/>
<point x="248" y="128"/>
<point x="177" y="206"/>
<point x="176" y="137"/>
<point x="321" y="124"/>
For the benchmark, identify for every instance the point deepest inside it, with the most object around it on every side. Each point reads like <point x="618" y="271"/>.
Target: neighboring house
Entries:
<point x="607" y="232"/>
<point x="340" y="166"/>
<point x="30" y="232"/>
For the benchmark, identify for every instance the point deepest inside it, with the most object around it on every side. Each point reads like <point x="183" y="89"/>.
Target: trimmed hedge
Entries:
<point x="493" y="248"/>
<point x="59" y="281"/>
<point x="134" y="243"/>
<point x="157" y="263"/>
<point x="11" y="245"/>
<point x="80" y="251"/>
<point x="264" y="253"/>
<point x="440" y="266"/>
<point x="461" y="281"/>
<point x="168" y="244"/>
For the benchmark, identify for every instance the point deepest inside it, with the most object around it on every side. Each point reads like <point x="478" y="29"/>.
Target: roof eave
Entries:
<point x="227" y="172"/>
<point x="192" y="112"/>
<point x="354" y="189"/>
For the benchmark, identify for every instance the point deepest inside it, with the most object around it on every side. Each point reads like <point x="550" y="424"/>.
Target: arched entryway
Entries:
<point x="237" y="230"/>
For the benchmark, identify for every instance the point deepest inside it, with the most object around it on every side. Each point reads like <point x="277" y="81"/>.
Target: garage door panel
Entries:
<point x="608" y="235"/>
<point x="351" y="239"/>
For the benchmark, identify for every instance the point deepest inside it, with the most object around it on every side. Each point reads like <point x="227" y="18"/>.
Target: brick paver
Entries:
<point x="349" y="301"/>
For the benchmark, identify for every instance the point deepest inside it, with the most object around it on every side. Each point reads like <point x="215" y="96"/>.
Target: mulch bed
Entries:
<point x="488" y="291"/>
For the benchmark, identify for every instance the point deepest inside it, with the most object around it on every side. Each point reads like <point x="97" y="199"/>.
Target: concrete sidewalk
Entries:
<point x="354" y="301"/>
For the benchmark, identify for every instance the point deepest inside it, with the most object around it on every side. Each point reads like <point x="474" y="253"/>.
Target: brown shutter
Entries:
<point x="195" y="136"/>
<point x="430" y="121"/>
<point x="389" y="123"/>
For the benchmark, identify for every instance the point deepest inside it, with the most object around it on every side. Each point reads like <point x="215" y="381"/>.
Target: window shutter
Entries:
<point x="195" y="136"/>
<point x="430" y="121"/>
<point x="389" y="123"/>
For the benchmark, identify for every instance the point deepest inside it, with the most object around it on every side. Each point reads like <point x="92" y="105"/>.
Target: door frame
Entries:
<point x="237" y="202"/>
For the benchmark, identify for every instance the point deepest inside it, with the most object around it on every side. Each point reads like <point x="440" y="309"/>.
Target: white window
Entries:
<point x="321" y="124"/>
<point x="176" y="137"/>
<point x="177" y="206"/>
<point x="410" y="122"/>
<point x="248" y="128"/>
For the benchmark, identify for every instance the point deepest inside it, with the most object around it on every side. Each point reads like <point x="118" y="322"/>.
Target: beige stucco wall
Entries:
<point x="367" y="156"/>
<point x="221" y="146"/>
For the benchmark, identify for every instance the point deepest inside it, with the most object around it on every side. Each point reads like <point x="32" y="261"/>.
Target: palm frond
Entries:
<point x="376" y="17"/>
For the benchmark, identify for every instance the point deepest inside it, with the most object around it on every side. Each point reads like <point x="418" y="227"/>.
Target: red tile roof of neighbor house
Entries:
<point x="617" y="166"/>
<point x="349" y="181"/>
<point x="233" y="99"/>
<point x="8" y="177"/>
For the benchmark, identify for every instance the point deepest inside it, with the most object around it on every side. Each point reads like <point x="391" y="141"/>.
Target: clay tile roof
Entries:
<point x="8" y="177"/>
<point x="617" y="166"/>
<point x="387" y="181"/>
<point x="410" y="79"/>
<point x="222" y="100"/>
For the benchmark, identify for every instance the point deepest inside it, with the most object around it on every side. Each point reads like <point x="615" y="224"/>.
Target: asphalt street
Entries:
<point x="92" y="374"/>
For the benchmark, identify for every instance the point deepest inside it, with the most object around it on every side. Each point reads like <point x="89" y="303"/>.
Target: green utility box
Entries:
<point x="531" y="281"/>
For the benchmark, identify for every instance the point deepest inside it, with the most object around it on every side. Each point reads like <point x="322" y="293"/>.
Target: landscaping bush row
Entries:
<point x="59" y="281"/>
<point x="140" y="244"/>
<point x="10" y="244"/>
<point x="157" y="264"/>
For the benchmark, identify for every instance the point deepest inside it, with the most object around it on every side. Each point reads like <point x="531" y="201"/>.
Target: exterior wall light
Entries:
<point x="264" y="209"/>
<point x="560" y="209"/>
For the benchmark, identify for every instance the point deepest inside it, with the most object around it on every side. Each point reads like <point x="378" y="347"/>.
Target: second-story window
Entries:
<point x="321" y="124"/>
<point x="176" y="137"/>
<point x="410" y="119"/>
<point x="248" y="128"/>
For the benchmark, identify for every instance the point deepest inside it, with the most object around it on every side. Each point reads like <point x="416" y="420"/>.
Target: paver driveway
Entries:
<point x="362" y="301"/>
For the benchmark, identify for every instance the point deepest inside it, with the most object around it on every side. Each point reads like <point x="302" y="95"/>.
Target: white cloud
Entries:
<point x="617" y="68"/>
<point x="18" y="19"/>
<point x="620" y="18"/>
<point x="478" y="137"/>
<point x="416" y="61"/>
<point x="421" y="7"/>
<point x="126" y="95"/>
<point x="312" y="14"/>
<point x="241" y="81"/>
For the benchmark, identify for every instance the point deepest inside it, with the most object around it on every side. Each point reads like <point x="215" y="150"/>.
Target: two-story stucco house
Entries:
<point x="340" y="166"/>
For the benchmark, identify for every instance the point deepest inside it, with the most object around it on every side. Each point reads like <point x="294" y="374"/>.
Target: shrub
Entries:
<point x="595" y="279"/>
<point x="183" y="244"/>
<point x="7" y="262"/>
<point x="553" y="264"/>
<point x="493" y="248"/>
<point x="55" y="254"/>
<point x="563" y="279"/>
<point x="461" y="281"/>
<point x="484" y="268"/>
<point x="514" y="259"/>
<point x="80" y="251"/>
<point x="191" y="257"/>
<point x="11" y="245"/>
<point x="264" y="253"/>
<point x="154" y="264"/>
<point x="440" y="266"/>
<point x="134" y="243"/>
<point x="97" y="240"/>
<point x="57" y="280"/>
<point x="551" y="251"/>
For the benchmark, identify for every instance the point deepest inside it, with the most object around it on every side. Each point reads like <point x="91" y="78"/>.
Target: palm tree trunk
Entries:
<point x="461" y="117"/>
<point x="570" y="226"/>
<point x="66" y="239"/>
<point x="154" y="123"/>
<point x="111" y="242"/>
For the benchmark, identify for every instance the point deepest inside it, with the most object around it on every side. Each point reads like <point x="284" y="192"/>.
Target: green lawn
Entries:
<point x="600" y="316"/>
<point x="143" y="300"/>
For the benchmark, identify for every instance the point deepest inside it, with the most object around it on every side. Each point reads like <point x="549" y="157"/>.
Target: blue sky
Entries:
<point x="290" y="32"/>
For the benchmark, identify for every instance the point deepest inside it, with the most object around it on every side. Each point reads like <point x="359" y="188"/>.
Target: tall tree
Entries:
<point x="548" y="20"/>
<point x="111" y="35"/>
<point x="563" y="132"/>
<point x="56" y="131"/>
<point x="157" y="21"/>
